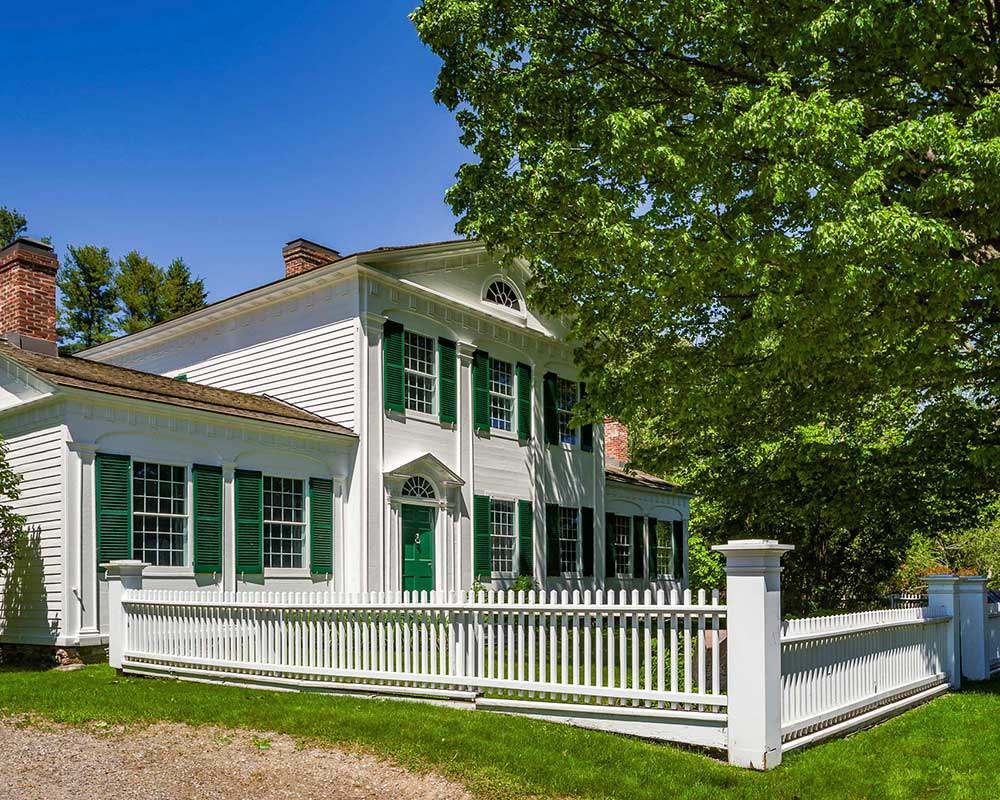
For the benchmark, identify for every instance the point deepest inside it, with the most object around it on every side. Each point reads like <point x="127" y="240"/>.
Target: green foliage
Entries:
<point x="139" y="286"/>
<point x="86" y="281"/>
<point x="12" y="525"/>
<point x="182" y="293"/>
<point x="706" y="568"/>
<point x="777" y="229"/>
<point x="12" y="225"/>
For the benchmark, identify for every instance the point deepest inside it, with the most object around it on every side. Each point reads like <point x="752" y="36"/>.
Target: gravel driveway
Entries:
<point x="176" y="762"/>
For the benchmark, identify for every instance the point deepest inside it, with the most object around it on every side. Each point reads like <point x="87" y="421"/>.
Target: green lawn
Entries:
<point x="948" y="748"/>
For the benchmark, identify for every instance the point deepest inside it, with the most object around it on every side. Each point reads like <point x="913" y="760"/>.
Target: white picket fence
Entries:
<point x="674" y="667"/>
<point x="644" y="651"/>
<point x="835" y="669"/>
<point x="993" y="636"/>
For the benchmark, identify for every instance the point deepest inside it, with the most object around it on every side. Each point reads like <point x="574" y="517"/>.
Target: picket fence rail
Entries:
<point x="838" y="667"/>
<point x="624" y="648"/>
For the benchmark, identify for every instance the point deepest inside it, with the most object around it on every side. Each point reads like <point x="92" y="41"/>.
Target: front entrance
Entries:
<point x="418" y="548"/>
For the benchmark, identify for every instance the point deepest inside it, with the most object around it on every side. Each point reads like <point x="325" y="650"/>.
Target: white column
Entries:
<point x="466" y="467"/>
<point x="753" y="611"/>
<point x="942" y="598"/>
<point x="90" y="623"/>
<point x="371" y="555"/>
<point x="972" y="627"/>
<point x="121" y="576"/>
<point x="228" y="527"/>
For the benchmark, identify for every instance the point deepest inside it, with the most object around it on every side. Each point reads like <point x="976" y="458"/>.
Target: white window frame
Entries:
<point x="514" y="528"/>
<point x="306" y="555"/>
<point x="187" y="516"/>
<point x="431" y="377"/>
<point x="575" y="573"/>
<point x="669" y="526"/>
<point x="627" y="522"/>
<point x="572" y="436"/>
<point x="508" y="398"/>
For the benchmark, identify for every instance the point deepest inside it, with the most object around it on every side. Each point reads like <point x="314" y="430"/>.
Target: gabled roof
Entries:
<point x="428" y="464"/>
<point x="79" y="373"/>
<point x="635" y="477"/>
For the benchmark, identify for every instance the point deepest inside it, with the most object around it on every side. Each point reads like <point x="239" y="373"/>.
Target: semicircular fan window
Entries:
<point x="502" y="294"/>
<point x="418" y="487"/>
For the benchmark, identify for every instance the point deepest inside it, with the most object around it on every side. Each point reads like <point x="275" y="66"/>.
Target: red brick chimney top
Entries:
<point x="301" y="255"/>
<point x="28" y="294"/>
<point x="615" y="440"/>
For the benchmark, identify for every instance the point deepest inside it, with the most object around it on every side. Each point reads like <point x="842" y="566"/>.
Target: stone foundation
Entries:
<point x="46" y="656"/>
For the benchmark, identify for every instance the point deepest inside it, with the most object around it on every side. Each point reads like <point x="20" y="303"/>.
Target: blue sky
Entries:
<point x="218" y="131"/>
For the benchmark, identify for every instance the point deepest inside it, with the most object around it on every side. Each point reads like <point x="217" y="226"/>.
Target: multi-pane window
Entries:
<point x="664" y="548"/>
<point x="568" y="534"/>
<point x="418" y="487"/>
<point x="502" y="531"/>
<point x="621" y="539"/>
<point x="501" y="395"/>
<point x="284" y="522"/>
<point x="418" y="370"/>
<point x="159" y="514"/>
<point x="503" y="294"/>
<point x="566" y="399"/>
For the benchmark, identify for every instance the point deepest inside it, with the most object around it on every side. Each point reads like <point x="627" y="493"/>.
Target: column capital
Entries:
<point x="374" y="322"/>
<point x="465" y="351"/>
<point x="83" y="449"/>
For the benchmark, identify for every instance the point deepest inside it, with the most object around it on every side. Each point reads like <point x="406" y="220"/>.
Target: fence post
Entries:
<point x="942" y="598"/>
<point x="972" y="610"/>
<point x="753" y="623"/>
<point x="121" y="576"/>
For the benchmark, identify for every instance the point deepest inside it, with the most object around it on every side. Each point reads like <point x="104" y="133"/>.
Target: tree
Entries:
<point x="86" y="282"/>
<point x="777" y="229"/>
<point x="139" y="284"/>
<point x="12" y="525"/>
<point x="12" y="225"/>
<point x="182" y="293"/>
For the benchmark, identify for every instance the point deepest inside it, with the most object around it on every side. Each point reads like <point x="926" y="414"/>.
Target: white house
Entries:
<point x="393" y="419"/>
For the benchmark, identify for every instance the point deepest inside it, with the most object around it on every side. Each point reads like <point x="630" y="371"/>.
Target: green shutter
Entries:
<point x="587" y="430"/>
<point x="638" y="551"/>
<point x="114" y="507"/>
<point x="550" y="408"/>
<point x="320" y="526"/>
<point x="651" y="548"/>
<point x="249" y="522"/>
<point x="481" y="390"/>
<point x="523" y="402"/>
<point x="207" y="518"/>
<point x="392" y="366"/>
<point x="482" y="541"/>
<point x="678" y="550"/>
<point x="447" y="391"/>
<point x="609" y="545"/>
<point x="525" y="538"/>
<point x="552" y="540"/>
<point x="587" y="538"/>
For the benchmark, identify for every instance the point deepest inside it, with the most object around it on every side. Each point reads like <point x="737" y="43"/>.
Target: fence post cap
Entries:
<point x="121" y="568"/>
<point x="764" y="547"/>
<point x="970" y="580"/>
<point x="940" y="580"/>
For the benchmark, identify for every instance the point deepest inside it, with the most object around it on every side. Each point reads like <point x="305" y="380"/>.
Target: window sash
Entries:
<point x="159" y="514"/>
<point x="664" y="549"/>
<point x="566" y="397"/>
<point x="501" y="395"/>
<point x="623" y="546"/>
<point x="418" y="372"/>
<point x="503" y="534"/>
<point x="284" y="523"/>
<point x="569" y="539"/>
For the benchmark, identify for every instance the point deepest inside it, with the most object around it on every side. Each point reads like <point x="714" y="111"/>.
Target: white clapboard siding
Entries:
<point x="993" y="636"/>
<point x="836" y="667"/>
<point x="31" y="593"/>
<point x="314" y="369"/>
<point x="595" y="648"/>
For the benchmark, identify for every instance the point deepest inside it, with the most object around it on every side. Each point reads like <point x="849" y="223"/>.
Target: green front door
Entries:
<point x="418" y="548"/>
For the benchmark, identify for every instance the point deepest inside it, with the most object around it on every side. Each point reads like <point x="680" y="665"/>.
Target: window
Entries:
<point x="622" y="542"/>
<point x="502" y="294"/>
<point x="566" y="399"/>
<point x="159" y="514"/>
<point x="568" y="533"/>
<point x="664" y="548"/>
<point x="284" y="522"/>
<point x="501" y="395"/>
<point x="418" y="368"/>
<point x="502" y="533"/>
<point x="418" y="487"/>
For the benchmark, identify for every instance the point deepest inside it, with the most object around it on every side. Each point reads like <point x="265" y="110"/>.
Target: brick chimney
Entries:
<point x="28" y="295"/>
<point x="615" y="440"/>
<point x="301" y="255"/>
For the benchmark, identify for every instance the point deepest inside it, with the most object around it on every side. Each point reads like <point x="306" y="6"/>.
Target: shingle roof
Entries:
<point x="635" y="477"/>
<point x="123" y="382"/>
